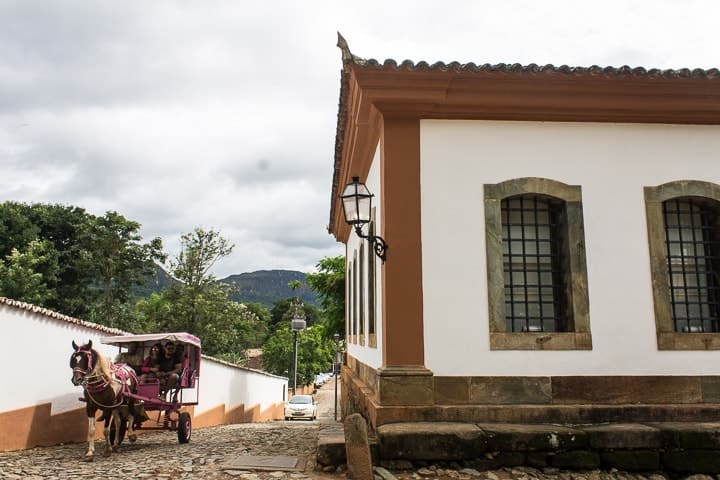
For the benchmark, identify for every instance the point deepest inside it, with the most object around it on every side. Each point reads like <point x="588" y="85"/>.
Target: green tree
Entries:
<point x="282" y="313"/>
<point x="118" y="260"/>
<point x="25" y="275"/>
<point x="315" y="353"/>
<point x="200" y="305"/>
<point x="65" y="227"/>
<point x="17" y="229"/>
<point x="328" y="282"/>
<point x="199" y="252"/>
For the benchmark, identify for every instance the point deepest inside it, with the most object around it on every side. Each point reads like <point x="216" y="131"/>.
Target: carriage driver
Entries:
<point x="132" y="357"/>
<point x="170" y="367"/>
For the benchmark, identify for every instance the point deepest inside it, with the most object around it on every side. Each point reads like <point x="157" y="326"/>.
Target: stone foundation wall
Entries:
<point x="563" y="400"/>
<point x="673" y="447"/>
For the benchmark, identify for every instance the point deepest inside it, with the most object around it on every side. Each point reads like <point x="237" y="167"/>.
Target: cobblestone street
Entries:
<point x="158" y="455"/>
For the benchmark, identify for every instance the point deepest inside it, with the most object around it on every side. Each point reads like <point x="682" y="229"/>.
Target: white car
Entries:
<point x="301" y="406"/>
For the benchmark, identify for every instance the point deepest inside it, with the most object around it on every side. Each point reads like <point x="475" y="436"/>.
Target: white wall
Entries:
<point x="364" y="353"/>
<point x="612" y="163"/>
<point x="36" y="357"/>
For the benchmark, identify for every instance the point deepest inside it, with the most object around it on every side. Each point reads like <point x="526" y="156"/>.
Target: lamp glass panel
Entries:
<point x="350" y="208"/>
<point x="364" y="207"/>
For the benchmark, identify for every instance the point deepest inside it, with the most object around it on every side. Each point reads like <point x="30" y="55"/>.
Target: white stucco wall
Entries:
<point x="612" y="163"/>
<point x="371" y="356"/>
<point x="36" y="354"/>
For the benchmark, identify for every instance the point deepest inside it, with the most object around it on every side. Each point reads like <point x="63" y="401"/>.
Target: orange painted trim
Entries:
<point x="35" y="426"/>
<point x="376" y="91"/>
<point x="402" y="306"/>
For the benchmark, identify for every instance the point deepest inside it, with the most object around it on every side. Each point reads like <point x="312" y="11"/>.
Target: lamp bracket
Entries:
<point x="378" y="243"/>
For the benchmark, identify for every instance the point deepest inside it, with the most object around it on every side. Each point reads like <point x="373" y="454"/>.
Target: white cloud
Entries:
<point x="222" y="113"/>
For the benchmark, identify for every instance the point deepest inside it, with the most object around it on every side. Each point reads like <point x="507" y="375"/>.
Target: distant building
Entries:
<point x="254" y="358"/>
<point x="553" y="242"/>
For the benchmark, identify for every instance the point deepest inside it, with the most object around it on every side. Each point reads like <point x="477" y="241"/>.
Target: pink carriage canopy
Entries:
<point x="182" y="337"/>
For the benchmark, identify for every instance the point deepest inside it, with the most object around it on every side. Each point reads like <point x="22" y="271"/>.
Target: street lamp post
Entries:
<point x="297" y="324"/>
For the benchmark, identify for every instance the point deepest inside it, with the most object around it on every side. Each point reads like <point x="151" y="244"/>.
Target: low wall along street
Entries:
<point x="40" y="405"/>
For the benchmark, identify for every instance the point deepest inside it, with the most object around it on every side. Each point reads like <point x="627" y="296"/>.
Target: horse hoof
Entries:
<point x="132" y="438"/>
<point x="88" y="458"/>
<point x="107" y="452"/>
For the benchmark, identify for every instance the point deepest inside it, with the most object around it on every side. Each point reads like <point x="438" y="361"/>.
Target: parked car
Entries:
<point x="301" y="406"/>
<point x="320" y="379"/>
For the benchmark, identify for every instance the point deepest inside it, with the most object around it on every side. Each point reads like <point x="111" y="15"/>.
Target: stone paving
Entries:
<point x="158" y="455"/>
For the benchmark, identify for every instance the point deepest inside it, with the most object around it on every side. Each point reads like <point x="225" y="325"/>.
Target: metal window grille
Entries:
<point x="371" y="280"/>
<point x="361" y="299"/>
<point x="532" y="264"/>
<point x="692" y="248"/>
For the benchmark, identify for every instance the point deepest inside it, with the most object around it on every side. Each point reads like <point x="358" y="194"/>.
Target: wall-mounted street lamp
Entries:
<point x="357" y="205"/>
<point x="297" y="323"/>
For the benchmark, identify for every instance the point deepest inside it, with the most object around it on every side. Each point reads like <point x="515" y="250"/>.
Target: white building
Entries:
<point x="553" y="241"/>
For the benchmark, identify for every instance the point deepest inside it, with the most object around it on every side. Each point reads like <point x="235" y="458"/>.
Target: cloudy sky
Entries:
<point x="221" y="113"/>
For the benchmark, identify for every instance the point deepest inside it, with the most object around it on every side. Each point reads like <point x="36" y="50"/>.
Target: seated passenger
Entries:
<point x="132" y="357"/>
<point x="151" y="366"/>
<point x="170" y="368"/>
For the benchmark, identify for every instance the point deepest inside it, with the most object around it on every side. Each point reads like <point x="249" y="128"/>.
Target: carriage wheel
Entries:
<point x="184" y="427"/>
<point x="123" y="429"/>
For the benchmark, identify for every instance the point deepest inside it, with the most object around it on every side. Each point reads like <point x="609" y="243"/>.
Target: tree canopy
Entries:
<point x="87" y="266"/>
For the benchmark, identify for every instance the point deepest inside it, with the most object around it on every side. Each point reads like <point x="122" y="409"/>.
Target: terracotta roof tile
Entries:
<point x="624" y="70"/>
<point x="58" y="316"/>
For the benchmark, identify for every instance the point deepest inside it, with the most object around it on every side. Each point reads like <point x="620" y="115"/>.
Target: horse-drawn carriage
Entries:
<point x="131" y="399"/>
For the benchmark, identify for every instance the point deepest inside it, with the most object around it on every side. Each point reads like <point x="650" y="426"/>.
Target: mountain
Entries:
<point x="268" y="286"/>
<point x="155" y="283"/>
<point x="264" y="286"/>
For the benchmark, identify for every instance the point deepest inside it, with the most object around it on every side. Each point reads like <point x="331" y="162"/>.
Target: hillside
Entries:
<point x="155" y="283"/>
<point x="264" y="286"/>
<point x="268" y="286"/>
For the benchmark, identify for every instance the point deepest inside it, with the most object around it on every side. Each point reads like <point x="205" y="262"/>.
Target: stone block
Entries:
<point x="623" y="436"/>
<point x="710" y="389"/>
<point x="357" y="448"/>
<point x="431" y="441"/>
<point x="576" y="459"/>
<point x="690" y="435"/>
<point x="510" y="390"/>
<point x="626" y="390"/>
<point x="632" y="460"/>
<point x="331" y="450"/>
<point x="452" y="390"/>
<point x="537" y="459"/>
<point x="515" y="437"/>
<point x="405" y="386"/>
<point x="691" y="461"/>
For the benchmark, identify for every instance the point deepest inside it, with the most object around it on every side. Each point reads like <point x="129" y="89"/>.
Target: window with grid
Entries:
<point x="536" y="269"/>
<point x="692" y="250"/>
<point x="533" y="264"/>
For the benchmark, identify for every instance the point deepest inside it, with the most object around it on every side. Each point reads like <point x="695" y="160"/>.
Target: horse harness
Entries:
<point x="122" y="376"/>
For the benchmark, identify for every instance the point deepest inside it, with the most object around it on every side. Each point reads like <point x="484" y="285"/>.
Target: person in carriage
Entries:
<point x="151" y="365"/>
<point x="132" y="357"/>
<point x="171" y="366"/>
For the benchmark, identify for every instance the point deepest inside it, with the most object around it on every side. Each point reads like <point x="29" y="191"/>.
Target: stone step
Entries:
<point x="683" y="447"/>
